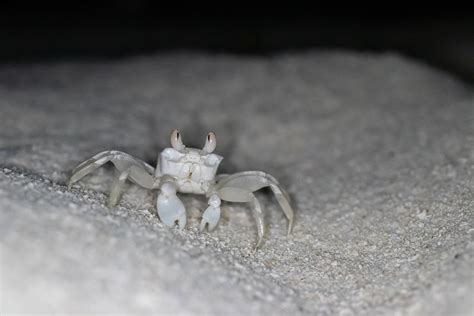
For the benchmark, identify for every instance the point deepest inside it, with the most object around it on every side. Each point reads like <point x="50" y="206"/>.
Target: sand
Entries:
<point x="376" y="151"/>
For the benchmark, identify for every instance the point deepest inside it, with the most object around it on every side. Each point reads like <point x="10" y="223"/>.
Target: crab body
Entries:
<point x="188" y="170"/>
<point x="193" y="169"/>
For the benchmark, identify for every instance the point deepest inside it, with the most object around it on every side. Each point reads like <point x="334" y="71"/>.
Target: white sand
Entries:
<point x="377" y="152"/>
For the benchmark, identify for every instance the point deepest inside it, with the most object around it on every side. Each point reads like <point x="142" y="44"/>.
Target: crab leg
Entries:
<point x="259" y="219"/>
<point x="256" y="180"/>
<point x="253" y="180"/>
<point x="117" y="188"/>
<point x="139" y="171"/>
<point x="234" y="194"/>
<point x="283" y="200"/>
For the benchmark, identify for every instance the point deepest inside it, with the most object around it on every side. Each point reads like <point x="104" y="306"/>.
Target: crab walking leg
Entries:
<point x="256" y="180"/>
<point x="259" y="219"/>
<point x="284" y="204"/>
<point x="170" y="208"/>
<point x="212" y="214"/>
<point x="141" y="173"/>
<point x="233" y="194"/>
<point x="117" y="188"/>
<point x="252" y="180"/>
<point x="141" y="177"/>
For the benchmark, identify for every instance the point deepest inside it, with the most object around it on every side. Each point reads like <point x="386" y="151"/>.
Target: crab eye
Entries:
<point x="210" y="143"/>
<point x="176" y="141"/>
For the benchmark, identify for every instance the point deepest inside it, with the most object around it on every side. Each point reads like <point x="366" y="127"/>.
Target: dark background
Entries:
<point x="440" y="36"/>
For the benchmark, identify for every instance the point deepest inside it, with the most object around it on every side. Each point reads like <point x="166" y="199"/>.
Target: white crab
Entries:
<point x="188" y="170"/>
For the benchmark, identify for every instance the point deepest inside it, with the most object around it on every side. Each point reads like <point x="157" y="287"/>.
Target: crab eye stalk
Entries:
<point x="176" y="141"/>
<point x="210" y="144"/>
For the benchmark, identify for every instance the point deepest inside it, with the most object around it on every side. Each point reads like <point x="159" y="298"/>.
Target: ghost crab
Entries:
<point x="188" y="170"/>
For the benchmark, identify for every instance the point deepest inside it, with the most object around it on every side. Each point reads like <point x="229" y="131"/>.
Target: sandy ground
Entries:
<point x="377" y="152"/>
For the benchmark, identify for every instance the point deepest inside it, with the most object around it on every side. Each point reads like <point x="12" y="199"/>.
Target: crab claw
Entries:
<point x="212" y="214"/>
<point x="171" y="210"/>
<point x="210" y="218"/>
